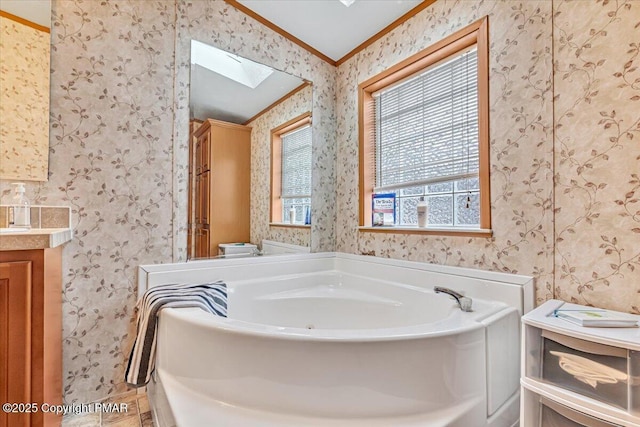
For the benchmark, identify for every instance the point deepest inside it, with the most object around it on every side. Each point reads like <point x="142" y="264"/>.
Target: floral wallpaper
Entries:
<point x="521" y="140"/>
<point x="118" y="150"/>
<point x="289" y="109"/>
<point x="216" y="23"/>
<point x="111" y="162"/>
<point x="24" y="127"/>
<point x="597" y="153"/>
<point x="565" y="159"/>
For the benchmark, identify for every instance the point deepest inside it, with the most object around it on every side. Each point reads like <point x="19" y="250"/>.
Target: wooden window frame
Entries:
<point x="275" y="214"/>
<point x="475" y="34"/>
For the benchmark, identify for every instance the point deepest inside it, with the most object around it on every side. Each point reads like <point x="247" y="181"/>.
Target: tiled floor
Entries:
<point x="137" y="414"/>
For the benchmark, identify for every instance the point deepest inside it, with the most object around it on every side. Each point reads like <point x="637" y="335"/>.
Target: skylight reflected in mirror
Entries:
<point x="224" y="86"/>
<point x="347" y="2"/>
<point x="234" y="67"/>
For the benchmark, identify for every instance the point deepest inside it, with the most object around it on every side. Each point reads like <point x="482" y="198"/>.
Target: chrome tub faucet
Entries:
<point x="463" y="302"/>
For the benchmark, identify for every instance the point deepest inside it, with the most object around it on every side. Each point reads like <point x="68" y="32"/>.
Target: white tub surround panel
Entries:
<point x="332" y="339"/>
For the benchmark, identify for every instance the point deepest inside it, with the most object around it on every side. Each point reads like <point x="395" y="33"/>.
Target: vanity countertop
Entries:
<point x="35" y="238"/>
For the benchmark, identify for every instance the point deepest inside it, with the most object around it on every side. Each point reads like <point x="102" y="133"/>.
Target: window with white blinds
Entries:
<point x="296" y="173"/>
<point x="424" y="134"/>
<point x="427" y="126"/>
<point x="426" y="142"/>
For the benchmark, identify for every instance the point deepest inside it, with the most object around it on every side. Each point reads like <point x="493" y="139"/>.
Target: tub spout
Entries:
<point x="463" y="302"/>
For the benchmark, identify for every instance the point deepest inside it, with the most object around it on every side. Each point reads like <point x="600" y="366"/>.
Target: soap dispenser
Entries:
<point x="20" y="207"/>
<point x="292" y="215"/>
<point x="422" y="211"/>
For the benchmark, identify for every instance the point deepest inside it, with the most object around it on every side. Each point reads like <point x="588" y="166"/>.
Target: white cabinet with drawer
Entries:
<point x="578" y="376"/>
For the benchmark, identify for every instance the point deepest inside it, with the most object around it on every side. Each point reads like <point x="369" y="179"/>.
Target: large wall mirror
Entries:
<point x="24" y="89"/>
<point x="241" y="189"/>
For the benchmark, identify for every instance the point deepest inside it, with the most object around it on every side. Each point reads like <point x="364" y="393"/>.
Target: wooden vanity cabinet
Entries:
<point x="31" y="334"/>
<point x="220" y="174"/>
<point x="15" y="338"/>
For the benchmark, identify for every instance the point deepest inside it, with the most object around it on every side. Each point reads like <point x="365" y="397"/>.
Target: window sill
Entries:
<point x="442" y="231"/>
<point x="287" y="225"/>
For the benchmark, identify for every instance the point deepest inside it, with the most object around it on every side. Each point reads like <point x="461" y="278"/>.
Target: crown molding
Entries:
<point x="401" y="20"/>
<point x="386" y="30"/>
<point x="279" y="101"/>
<point x="24" y="21"/>
<point x="279" y="30"/>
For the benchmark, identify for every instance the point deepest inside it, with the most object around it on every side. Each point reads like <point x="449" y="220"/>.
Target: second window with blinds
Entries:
<point x="424" y="135"/>
<point x="291" y="172"/>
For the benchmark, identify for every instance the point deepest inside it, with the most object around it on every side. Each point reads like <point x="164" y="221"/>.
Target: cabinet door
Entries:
<point x="196" y="242"/>
<point x="191" y="191"/>
<point x="198" y="200"/>
<point x="201" y="241"/>
<point x="206" y="151"/>
<point x="198" y="156"/>
<point x="205" y="197"/>
<point x="15" y="339"/>
<point x="204" y="243"/>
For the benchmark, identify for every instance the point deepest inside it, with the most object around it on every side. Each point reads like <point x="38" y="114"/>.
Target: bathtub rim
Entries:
<point x="204" y="264"/>
<point x="514" y="289"/>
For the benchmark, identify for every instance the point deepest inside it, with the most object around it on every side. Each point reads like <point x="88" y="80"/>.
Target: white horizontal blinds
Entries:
<point x="296" y="163"/>
<point x="427" y="126"/>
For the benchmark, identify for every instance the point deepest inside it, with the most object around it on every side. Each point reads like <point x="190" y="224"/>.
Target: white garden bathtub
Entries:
<point x="339" y="340"/>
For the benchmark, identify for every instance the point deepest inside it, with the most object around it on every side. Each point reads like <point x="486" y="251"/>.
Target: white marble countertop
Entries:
<point x="35" y="238"/>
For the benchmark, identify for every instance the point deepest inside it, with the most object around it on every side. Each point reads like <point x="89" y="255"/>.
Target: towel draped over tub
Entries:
<point x="211" y="297"/>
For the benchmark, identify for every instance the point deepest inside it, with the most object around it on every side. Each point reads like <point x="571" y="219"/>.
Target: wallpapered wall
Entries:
<point x="290" y="108"/>
<point x="597" y="153"/>
<point x="118" y="159"/>
<point x="24" y="143"/>
<point x="111" y="161"/>
<point x="521" y="139"/>
<point x="592" y="253"/>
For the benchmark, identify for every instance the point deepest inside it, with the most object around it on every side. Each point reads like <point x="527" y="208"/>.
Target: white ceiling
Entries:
<point x="38" y="11"/>
<point x="328" y="25"/>
<point x="213" y="96"/>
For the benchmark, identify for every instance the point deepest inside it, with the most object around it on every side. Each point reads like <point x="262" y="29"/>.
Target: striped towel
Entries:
<point x="211" y="297"/>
